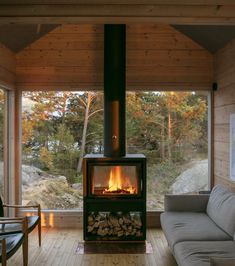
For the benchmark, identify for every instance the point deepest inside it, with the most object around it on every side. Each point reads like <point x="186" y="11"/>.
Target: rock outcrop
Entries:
<point x="52" y="192"/>
<point x="192" y="180"/>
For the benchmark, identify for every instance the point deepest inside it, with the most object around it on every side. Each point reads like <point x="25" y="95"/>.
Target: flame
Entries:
<point x="119" y="183"/>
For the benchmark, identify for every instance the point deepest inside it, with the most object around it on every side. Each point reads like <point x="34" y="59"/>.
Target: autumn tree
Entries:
<point x="73" y="110"/>
<point x="90" y="105"/>
<point x="146" y="124"/>
<point x="162" y="124"/>
<point x="186" y="113"/>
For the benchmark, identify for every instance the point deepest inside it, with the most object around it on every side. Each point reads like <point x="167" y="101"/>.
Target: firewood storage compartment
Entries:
<point x="115" y="198"/>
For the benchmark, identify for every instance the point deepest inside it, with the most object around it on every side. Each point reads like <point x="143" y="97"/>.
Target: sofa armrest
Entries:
<point x="222" y="261"/>
<point x="186" y="203"/>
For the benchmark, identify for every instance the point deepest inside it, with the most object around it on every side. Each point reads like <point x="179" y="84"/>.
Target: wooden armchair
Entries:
<point x="33" y="221"/>
<point x="10" y="241"/>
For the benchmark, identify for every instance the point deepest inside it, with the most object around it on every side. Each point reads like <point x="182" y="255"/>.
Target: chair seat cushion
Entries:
<point x="190" y="226"/>
<point x="195" y="253"/>
<point x="32" y="222"/>
<point x="13" y="242"/>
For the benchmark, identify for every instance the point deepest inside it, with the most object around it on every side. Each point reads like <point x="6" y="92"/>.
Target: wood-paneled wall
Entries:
<point x="7" y="67"/>
<point x="71" y="57"/>
<point x="224" y="103"/>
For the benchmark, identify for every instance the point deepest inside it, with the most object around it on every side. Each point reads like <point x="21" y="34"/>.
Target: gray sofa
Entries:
<point x="200" y="229"/>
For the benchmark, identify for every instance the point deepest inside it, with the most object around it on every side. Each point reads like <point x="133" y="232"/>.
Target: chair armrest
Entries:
<point x="38" y="206"/>
<point x="186" y="203"/>
<point x="20" y="206"/>
<point x="2" y="219"/>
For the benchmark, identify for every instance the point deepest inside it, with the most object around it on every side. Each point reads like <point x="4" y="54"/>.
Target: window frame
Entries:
<point x="8" y="144"/>
<point x="153" y="216"/>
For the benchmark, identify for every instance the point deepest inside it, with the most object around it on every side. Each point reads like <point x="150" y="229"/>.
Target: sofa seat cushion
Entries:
<point x="190" y="226"/>
<point x="195" y="253"/>
<point x="221" y="209"/>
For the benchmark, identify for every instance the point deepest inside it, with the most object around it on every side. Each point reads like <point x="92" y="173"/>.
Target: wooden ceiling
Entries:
<point x="18" y="36"/>
<point x="211" y="23"/>
<point x="157" y="67"/>
<point x="195" y="12"/>
<point x="71" y="56"/>
<point x="210" y="37"/>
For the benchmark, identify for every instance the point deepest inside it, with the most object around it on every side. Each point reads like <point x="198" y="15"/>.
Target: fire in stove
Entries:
<point x="109" y="180"/>
<point x="119" y="183"/>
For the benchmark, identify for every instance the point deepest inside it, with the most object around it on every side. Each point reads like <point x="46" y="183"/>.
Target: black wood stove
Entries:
<point x="114" y="183"/>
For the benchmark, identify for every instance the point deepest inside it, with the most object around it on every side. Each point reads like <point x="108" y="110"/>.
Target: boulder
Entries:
<point x="30" y="174"/>
<point x="53" y="193"/>
<point x="77" y="186"/>
<point x="192" y="180"/>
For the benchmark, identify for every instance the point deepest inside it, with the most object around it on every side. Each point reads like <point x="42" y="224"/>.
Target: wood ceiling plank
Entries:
<point x="222" y="14"/>
<point x="7" y="58"/>
<point x="114" y="2"/>
<point x="7" y="67"/>
<point x="7" y="77"/>
<point x="49" y="63"/>
<point x="127" y="10"/>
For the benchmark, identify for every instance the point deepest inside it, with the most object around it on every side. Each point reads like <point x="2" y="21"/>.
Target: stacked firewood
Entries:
<point x="115" y="224"/>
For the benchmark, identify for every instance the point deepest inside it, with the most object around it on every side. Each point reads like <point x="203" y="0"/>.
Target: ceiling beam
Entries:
<point x="113" y="2"/>
<point x="113" y="12"/>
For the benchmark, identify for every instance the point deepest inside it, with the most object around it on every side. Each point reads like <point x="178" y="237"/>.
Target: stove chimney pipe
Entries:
<point x="114" y="90"/>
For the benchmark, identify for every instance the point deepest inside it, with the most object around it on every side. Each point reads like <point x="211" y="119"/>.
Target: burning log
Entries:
<point x="117" y="191"/>
<point x="115" y="225"/>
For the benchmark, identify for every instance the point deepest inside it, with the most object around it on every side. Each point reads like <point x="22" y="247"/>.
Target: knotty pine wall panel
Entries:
<point x="7" y="67"/>
<point x="71" y="57"/>
<point x="224" y="105"/>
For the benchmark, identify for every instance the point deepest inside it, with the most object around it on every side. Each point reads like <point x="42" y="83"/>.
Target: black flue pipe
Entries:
<point x="114" y="90"/>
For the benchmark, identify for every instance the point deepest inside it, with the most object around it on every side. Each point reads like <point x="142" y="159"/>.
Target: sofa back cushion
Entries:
<point x="221" y="209"/>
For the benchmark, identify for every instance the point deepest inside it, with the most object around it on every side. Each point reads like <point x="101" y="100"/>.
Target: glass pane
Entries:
<point x="114" y="180"/>
<point x="2" y="107"/>
<point x="58" y="129"/>
<point x="171" y="130"/>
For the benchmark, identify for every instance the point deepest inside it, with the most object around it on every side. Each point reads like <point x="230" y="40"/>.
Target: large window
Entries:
<point x="171" y="129"/>
<point x="59" y="128"/>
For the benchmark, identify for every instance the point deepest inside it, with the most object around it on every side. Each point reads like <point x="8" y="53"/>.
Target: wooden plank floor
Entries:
<point x="59" y="248"/>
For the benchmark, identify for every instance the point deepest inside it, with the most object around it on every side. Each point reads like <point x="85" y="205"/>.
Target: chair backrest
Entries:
<point x="1" y="208"/>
